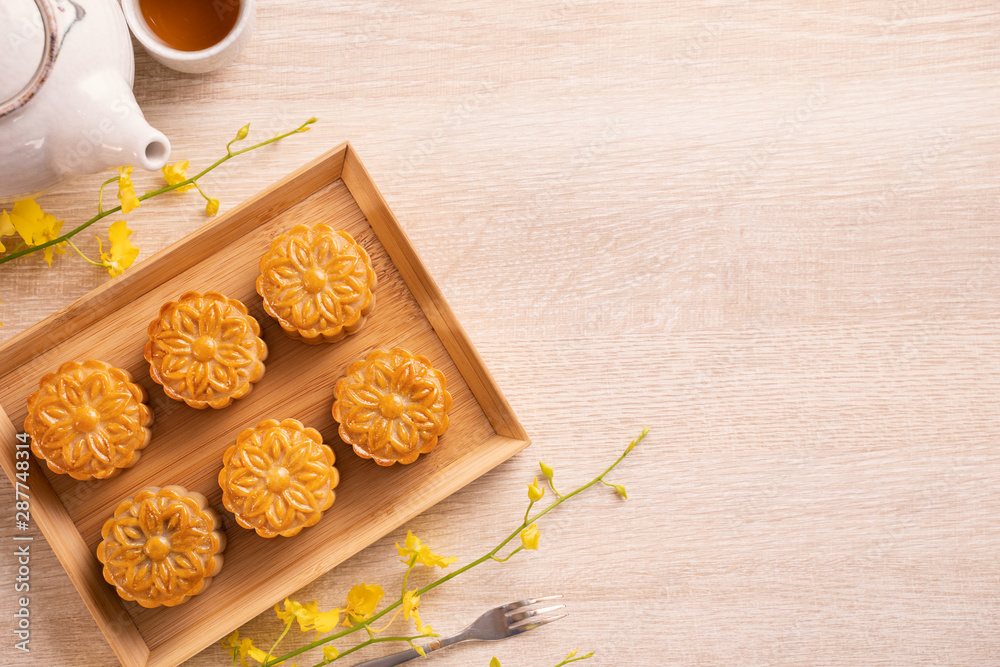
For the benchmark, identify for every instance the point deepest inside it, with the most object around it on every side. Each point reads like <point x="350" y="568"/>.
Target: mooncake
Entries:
<point x="88" y="420"/>
<point x="205" y="350"/>
<point x="161" y="546"/>
<point x="392" y="406"/>
<point x="278" y="478"/>
<point x="317" y="283"/>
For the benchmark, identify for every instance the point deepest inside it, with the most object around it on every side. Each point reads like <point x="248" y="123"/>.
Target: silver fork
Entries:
<point x="498" y="623"/>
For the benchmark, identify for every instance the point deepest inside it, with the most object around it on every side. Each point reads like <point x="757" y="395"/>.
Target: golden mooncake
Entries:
<point x="88" y="420"/>
<point x="278" y="478"/>
<point x="392" y="406"/>
<point x="317" y="283"/>
<point x="161" y="546"/>
<point x="205" y="350"/>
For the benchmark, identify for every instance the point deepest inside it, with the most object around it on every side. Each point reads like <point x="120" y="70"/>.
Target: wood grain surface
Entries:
<point x="766" y="229"/>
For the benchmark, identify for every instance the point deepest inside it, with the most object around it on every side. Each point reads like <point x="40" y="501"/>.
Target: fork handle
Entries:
<point x="390" y="660"/>
<point x="402" y="656"/>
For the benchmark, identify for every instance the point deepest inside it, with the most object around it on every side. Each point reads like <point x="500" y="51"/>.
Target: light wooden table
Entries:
<point x="766" y="229"/>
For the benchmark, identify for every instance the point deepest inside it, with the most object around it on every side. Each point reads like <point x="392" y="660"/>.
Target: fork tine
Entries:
<point x="518" y="616"/>
<point x="528" y="602"/>
<point x="534" y="624"/>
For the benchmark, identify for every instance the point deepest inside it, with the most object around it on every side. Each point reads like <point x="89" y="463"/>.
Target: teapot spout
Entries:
<point x="109" y="130"/>
<point x="137" y="143"/>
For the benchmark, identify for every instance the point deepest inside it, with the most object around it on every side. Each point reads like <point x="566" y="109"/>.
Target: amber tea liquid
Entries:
<point x="190" y="25"/>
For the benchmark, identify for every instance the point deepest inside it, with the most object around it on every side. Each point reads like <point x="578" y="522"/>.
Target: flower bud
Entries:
<point x="535" y="492"/>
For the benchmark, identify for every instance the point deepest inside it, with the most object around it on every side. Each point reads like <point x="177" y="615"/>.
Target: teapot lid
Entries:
<point x="28" y="32"/>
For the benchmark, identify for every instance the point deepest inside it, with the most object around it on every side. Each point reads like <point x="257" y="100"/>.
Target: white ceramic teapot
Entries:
<point x="66" y="104"/>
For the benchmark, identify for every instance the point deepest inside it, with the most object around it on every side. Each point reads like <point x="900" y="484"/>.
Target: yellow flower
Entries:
<point x="413" y="546"/>
<point x="6" y="228"/>
<point x="549" y="474"/>
<point x="242" y="134"/>
<point x="330" y="653"/>
<point x="361" y="602"/>
<point x="410" y="602"/>
<point x="309" y="616"/>
<point x="175" y="173"/>
<point x="121" y="253"/>
<point x="619" y="488"/>
<point x="126" y="191"/>
<point x="529" y="536"/>
<point x="573" y="653"/>
<point x="494" y="662"/>
<point x="635" y="442"/>
<point x="36" y="227"/>
<point x="535" y="492"/>
<point x="212" y="207"/>
<point x="241" y="648"/>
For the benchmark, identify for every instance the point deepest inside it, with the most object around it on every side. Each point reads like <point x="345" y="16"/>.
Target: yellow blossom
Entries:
<point x="6" y="228"/>
<point x="549" y="474"/>
<point x="241" y="648"/>
<point x="330" y="653"/>
<point x="36" y="227"/>
<point x="413" y="546"/>
<point x="529" y="536"/>
<point x="494" y="662"/>
<point x="410" y="602"/>
<point x="535" y="492"/>
<point x="361" y="602"/>
<point x="242" y="134"/>
<point x="122" y="253"/>
<point x="619" y="488"/>
<point x="308" y="616"/>
<point x="126" y="191"/>
<point x="635" y="442"/>
<point x="212" y="207"/>
<point x="175" y="173"/>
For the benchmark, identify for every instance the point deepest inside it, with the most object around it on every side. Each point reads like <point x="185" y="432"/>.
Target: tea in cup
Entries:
<point x="191" y="36"/>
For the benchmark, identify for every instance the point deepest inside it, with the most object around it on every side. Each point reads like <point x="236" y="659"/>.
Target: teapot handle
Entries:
<point x="53" y="41"/>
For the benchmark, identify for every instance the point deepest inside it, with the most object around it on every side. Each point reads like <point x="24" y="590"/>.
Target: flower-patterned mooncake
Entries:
<point x="161" y="546"/>
<point x="318" y="283"/>
<point x="278" y="478"/>
<point x="205" y="350"/>
<point x="88" y="420"/>
<point x="392" y="406"/>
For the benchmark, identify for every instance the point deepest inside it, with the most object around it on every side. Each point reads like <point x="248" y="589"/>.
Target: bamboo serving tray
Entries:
<point x="110" y="324"/>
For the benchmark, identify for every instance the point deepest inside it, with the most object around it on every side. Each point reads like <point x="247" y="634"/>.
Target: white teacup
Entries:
<point x="194" y="62"/>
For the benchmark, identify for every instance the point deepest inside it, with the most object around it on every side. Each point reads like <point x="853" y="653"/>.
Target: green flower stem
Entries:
<point x="508" y="556"/>
<point x="190" y="181"/>
<point x="85" y="258"/>
<point x="288" y="626"/>
<point x="491" y="555"/>
<point x="529" y="521"/>
<point x="369" y="642"/>
<point x="202" y="192"/>
<point x="409" y="568"/>
<point x="100" y="193"/>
